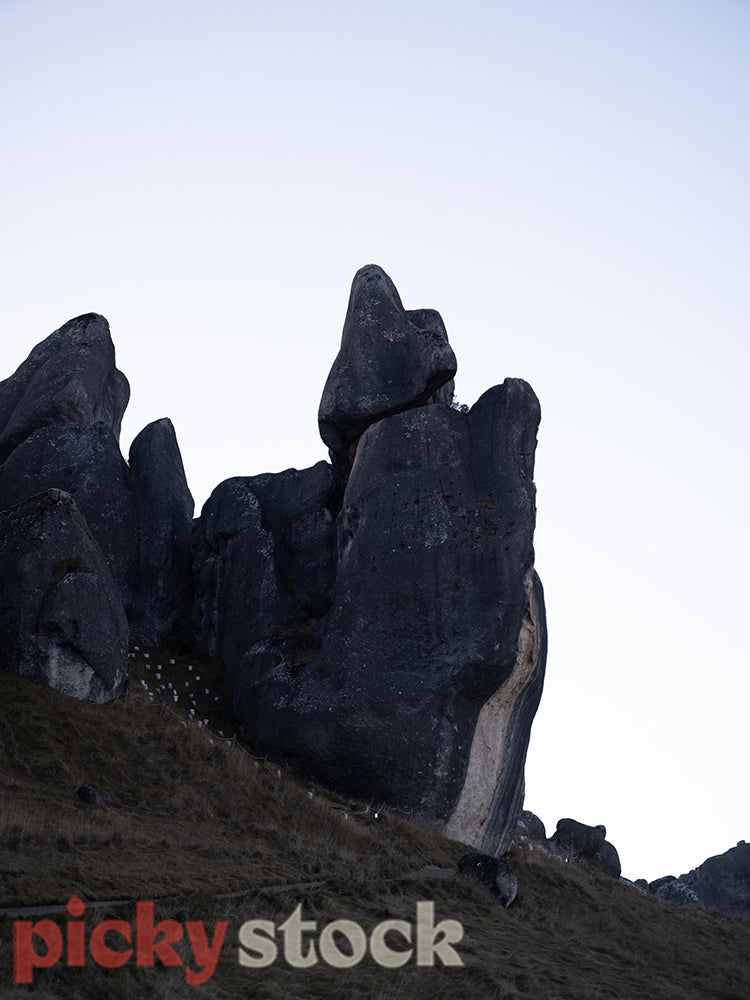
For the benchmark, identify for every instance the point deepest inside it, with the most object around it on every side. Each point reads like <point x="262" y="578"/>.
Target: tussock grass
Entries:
<point x="190" y="818"/>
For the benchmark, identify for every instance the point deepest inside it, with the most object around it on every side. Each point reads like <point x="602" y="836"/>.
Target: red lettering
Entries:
<point x="101" y="953"/>
<point x="25" y="957"/>
<point x="147" y="946"/>
<point x="206" y="956"/>
<point x="76" y="934"/>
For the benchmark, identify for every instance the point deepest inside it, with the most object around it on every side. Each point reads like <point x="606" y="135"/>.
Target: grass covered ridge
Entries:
<point x="191" y="818"/>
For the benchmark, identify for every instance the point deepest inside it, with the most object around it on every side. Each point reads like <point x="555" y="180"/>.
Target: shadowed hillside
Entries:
<point x="194" y="822"/>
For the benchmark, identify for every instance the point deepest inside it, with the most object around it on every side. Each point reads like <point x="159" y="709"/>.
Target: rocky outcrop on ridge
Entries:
<point x="379" y="617"/>
<point x="391" y="359"/>
<point x="264" y="551"/>
<point x="60" y="417"/>
<point x="572" y="841"/>
<point x="163" y="514"/>
<point x="722" y="882"/>
<point x="70" y="378"/>
<point x="61" y="617"/>
<point x="385" y="628"/>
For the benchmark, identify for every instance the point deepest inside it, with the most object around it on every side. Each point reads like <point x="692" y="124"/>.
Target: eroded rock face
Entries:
<point x="84" y="461"/>
<point x="163" y="513"/>
<point x="720" y="883"/>
<point x="574" y="840"/>
<point x="61" y="618"/>
<point x="723" y="881"/>
<point x="391" y="359"/>
<point x="60" y="416"/>
<point x="530" y="827"/>
<point x="68" y="378"/>
<point x="264" y="565"/>
<point x="432" y="655"/>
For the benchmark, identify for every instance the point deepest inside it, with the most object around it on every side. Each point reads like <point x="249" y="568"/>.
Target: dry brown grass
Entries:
<point x="188" y="818"/>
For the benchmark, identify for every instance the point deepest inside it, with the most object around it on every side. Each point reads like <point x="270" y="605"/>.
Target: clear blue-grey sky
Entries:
<point x="566" y="182"/>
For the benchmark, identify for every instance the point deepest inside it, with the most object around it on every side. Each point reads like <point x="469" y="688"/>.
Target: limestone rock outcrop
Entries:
<point x="379" y="617"/>
<point x="60" y="417"/>
<point x="722" y="882"/>
<point x="530" y="827"/>
<point x="405" y="663"/>
<point x="69" y="378"/>
<point x="576" y="841"/>
<point x="391" y="359"/>
<point x="163" y="514"/>
<point x="61" y="617"/>
<point x="264" y="551"/>
<point x="84" y="461"/>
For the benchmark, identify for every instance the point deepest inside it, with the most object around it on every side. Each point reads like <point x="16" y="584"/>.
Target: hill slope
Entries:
<point x="196" y="823"/>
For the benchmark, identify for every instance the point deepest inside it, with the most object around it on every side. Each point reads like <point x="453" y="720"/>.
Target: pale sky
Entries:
<point x="566" y="182"/>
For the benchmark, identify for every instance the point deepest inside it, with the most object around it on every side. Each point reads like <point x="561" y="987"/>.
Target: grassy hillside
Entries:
<point x="211" y="834"/>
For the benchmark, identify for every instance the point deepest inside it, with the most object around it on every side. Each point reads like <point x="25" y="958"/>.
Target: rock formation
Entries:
<point x="60" y="416"/>
<point x="722" y="883"/>
<point x="70" y="378"/>
<point x="385" y="627"/>
<point x="572" y="841"/>
<point x="391" y="359"/>
<point x="530" y="827"/>
<point x="61" y="617"/>
<point x="264" y="565"/>
<point x="163" y="514"/>
<point x="380" y="617"/>
<point x="576" y="841"/>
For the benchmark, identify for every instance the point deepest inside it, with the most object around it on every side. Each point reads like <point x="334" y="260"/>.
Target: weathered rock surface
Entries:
<point x="391" y="359"/>
<point x="720" y="883"/>
<point x="84" y="461"/>
<point x="432" y="655"/>
<point x="90" y="795"/>
<point x="574" y="840"/>
<point x="60" y="416"/>
<point x="163" y="513"/>
<point x="68" y="378"/>
<point x="723" y="881"/>
<point x="530" y="826"/>
<point x="608" y="859"/>
<point x="61" y="618"/>
<point x="264" y="565"/>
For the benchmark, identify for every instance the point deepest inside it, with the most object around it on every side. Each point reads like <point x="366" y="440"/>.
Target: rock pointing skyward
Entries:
<point x="379" y="617"/>
<point x="391" y="359"/>
<point x="382" y="621"/>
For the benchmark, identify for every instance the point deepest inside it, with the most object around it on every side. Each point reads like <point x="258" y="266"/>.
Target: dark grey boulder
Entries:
<point x="495" y="873"/>
<point x="263" y="565"/>
<point x="431" y="657"/>
<point x="676" y="891"/>
<point x="68" y="378"/>
<point x="608" y="859"/>
<point x="84" y="461"/>
<point x="391" y="359"/>
<point x="530" y="826"/>
<point x="61" y="617"/>
<point x="573" y="840"/>
<point x="723" y="881"/>
<point x="163" y="514"/>
<point x="90" y="795"/>
<point x="657" y="884"/>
